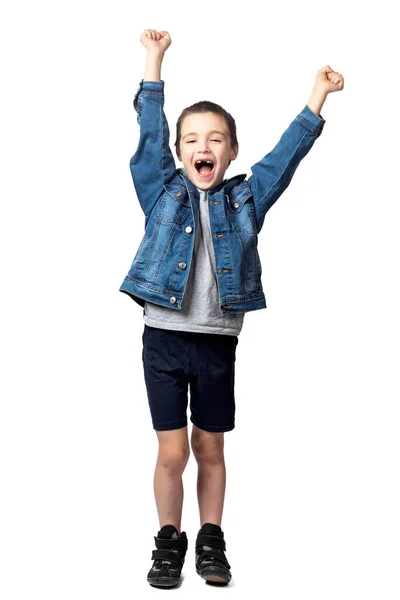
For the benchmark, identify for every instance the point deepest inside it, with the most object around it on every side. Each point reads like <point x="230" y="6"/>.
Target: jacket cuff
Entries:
<point x="150" y="87"/>
<point x="313" y="122"/>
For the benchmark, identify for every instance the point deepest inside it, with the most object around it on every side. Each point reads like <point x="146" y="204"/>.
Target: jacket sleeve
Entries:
<point x="273" y="173"/>
<point x="153" y="164"/>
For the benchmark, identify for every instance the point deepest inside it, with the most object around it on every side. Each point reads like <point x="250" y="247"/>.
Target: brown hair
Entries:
<point x="202" y="107"/>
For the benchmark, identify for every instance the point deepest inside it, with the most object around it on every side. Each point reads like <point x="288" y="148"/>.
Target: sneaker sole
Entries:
<point x="215" y="575"/>
<point x="170" y="582"/>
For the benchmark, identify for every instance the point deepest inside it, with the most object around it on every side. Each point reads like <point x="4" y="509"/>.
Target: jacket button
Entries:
<point x="188" y="229"/>
<point x="178" y="194"/>
<point x="182" y="265"/>
<point x="172" y="299"/>
<point x="236" y="204"/>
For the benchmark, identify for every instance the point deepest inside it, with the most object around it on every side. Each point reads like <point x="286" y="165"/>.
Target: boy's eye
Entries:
<point x="191" y="141"/>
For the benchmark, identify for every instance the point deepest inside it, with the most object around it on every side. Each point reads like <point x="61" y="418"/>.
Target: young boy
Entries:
<point x="196" y="272"/>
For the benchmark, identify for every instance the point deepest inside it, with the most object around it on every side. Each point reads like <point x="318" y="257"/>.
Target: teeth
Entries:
<point x="199" y="161"/>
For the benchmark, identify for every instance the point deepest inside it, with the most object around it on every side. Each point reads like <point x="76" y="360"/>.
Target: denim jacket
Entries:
<point x="237" y="209"/>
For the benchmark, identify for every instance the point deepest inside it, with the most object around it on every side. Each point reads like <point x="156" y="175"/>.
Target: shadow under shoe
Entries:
<point x="211" y="562"/>
<point x="168" y="558"/>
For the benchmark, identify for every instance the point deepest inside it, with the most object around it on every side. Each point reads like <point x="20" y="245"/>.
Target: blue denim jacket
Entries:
<point x="237" y="208"/>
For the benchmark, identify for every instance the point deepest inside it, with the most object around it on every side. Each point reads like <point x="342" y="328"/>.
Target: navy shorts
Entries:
<point x="206" y="361"/>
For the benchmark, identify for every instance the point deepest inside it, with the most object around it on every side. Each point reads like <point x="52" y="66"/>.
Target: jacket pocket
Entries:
<point x="173" y="206"/>
<point x="241" y="212"/>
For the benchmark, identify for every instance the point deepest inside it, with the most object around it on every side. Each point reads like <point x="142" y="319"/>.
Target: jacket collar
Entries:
<point x="226" y="185"/>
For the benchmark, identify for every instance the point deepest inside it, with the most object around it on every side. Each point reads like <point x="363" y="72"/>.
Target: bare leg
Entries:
<point x="208" y="449"/>
<point x="173" y="455"/>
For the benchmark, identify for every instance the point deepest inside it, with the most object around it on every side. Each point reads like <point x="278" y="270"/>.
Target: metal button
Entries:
<point x="172" y="299"/>
<point x="178" y="194"/>
<point x="188" y="229"/>
<point x="236" y="204"/>
<point x="182" y="265"/>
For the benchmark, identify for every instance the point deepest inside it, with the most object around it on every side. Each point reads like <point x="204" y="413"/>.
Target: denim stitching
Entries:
<point x="313" y="128"/>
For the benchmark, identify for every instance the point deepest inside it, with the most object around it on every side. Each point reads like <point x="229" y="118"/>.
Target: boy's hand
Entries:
<point x="155" y="40"/>
<point x="328" y="81"/>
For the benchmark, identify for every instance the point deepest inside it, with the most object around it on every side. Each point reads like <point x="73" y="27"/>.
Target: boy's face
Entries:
<point x="205" y="137"/>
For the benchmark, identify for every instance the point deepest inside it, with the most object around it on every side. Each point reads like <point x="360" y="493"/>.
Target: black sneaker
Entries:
<point x="168" y="558"/>
<point x="211" y="562"/>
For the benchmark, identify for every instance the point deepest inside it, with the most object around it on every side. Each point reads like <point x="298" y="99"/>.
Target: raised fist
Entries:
<point x="155" y="40"/>
<point x="329" y="80"/>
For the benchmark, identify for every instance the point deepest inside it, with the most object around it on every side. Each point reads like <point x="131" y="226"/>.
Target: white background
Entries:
<point x="311" y="507"/>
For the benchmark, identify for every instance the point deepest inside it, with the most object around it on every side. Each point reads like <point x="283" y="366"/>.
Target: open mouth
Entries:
<point x="204" y="167"/>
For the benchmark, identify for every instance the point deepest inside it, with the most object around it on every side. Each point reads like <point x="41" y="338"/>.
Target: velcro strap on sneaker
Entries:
<point x="213" y="553"/>
<point x="166" y="555"/>
<point x="175" y="543"/>
<point x="210" y="540"/>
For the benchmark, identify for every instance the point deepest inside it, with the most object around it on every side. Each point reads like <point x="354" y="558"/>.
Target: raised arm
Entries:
<point x="273" y="173"/>
<point x="153" y="164"/>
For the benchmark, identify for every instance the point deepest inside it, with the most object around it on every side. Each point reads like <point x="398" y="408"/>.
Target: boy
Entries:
<point x="196" y="272"/>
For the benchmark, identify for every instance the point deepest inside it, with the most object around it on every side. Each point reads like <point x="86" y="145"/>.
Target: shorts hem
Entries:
<point x="214" y="428"/>
<point x="168" y="426"/>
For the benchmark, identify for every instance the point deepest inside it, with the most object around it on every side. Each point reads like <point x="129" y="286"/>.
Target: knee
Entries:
<point x="173" y="458"/>
<point x="208" y="448"/>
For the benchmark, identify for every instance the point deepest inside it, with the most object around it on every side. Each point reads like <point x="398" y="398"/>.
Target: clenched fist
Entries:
<point x="328" y="80"/>
<point x="155" y="40"/>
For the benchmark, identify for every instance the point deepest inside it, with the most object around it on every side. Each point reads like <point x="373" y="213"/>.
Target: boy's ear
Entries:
<point x="235" y="151"/>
